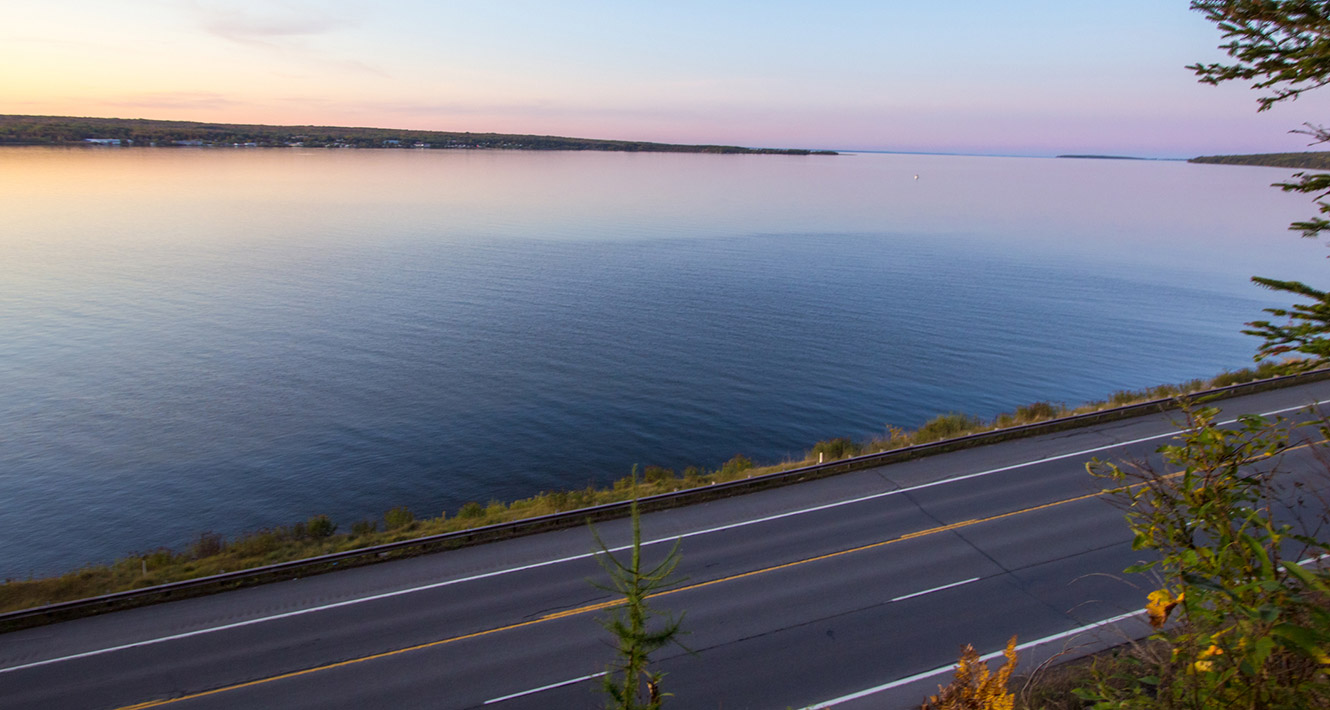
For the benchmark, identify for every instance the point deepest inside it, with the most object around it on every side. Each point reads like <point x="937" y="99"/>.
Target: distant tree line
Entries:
<point x="1318" y="160"/>
<point x="64" y="130"/>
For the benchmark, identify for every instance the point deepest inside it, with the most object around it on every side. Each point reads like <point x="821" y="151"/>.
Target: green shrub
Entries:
<point x="945" y="426"/>
<point x="736" y="465"/>
<point x="257" y="544"/>
<point x="558" y="500"/>
<point x="657" y="474"/>
<point x="1233" y="378"/>
<point x="1265" y="370"/>
<point x="832" y="449"/>
<point x="207" y="545"/>
<point x="1194" y="385"/>
<point x="1121" y="397"/>
<point x="1039" y="411"/>
<point x="1163" y="391"/>
<point x="364" y="527"/>
<point x="471" y="509"/>
<point x="319" y="527"/>
<point x="1272" y="368"/>
<point x="397" y="518"/>
<point x="582" y="498"/>
<point x="159" y="558"/>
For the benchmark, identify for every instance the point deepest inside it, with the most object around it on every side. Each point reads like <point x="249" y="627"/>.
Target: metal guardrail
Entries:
<point x="60" y="611"/>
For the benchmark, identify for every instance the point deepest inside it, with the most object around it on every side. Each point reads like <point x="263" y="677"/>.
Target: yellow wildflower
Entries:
<point x="1203" y="663"/>
<point x="1161" y="603"/>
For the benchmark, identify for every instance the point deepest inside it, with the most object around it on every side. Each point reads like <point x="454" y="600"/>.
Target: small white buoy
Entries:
<point x="916" y="177"/>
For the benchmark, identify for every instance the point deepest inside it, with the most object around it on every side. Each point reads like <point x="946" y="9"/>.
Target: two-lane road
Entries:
<point x="859" y="585"/>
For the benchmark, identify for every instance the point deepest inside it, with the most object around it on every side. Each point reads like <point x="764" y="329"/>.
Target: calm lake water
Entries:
<point x="225" y="340"/>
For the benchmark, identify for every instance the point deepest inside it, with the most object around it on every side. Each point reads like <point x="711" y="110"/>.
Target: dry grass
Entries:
<point x="1055" y="686"/>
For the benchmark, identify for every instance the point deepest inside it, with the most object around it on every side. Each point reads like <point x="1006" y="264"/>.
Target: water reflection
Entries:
<point x="227" y="339"/>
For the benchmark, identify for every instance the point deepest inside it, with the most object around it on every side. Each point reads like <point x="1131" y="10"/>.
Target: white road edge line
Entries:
<point x="544" y="688"/>
<point x="995" y="654"/>
<point x="1309" y="560"/>
<point x="935" y="589"/>
<point x="990" y="656"/>
<point x="547" y="563"/>
<point x="952" y="666"/>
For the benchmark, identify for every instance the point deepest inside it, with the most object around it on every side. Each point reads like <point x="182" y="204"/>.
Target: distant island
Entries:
<point x="1318" y="160"/>
<point x="68" y="130"/>
<point x="1103" y="157"/>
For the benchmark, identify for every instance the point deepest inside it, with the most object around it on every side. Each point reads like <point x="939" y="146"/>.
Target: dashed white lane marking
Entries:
<point x="935" y="589"/>
<point x="544" y="688"/>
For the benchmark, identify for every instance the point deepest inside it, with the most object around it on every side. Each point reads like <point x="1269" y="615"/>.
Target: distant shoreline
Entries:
<point x="1104" y="157"/>
<point x="139" y="132"/>
<point x="1311" y="160"/>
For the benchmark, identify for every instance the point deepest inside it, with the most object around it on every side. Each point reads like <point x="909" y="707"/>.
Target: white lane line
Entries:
<point x="571" y="558"/>
<point x="544" y="688"/>
<point x="1309" y="560"/>
<point x="935" y="589"/>
<point x="951" y="667"/>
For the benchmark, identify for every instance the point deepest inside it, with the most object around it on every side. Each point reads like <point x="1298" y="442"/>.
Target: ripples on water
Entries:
<point x="224" y="340"/>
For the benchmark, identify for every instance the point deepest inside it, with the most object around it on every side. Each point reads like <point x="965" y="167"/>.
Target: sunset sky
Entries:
<point x="1019" y="77"/>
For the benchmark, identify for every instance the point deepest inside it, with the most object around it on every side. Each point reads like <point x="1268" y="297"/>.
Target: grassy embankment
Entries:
<point x="213" y="554"/>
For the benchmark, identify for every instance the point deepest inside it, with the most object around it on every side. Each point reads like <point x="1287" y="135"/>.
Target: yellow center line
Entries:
<point x="619" y="602"/>
<point x="607" y="605"/>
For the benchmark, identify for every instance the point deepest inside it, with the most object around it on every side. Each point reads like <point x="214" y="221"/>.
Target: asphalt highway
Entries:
<point x="855" y="591"/>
